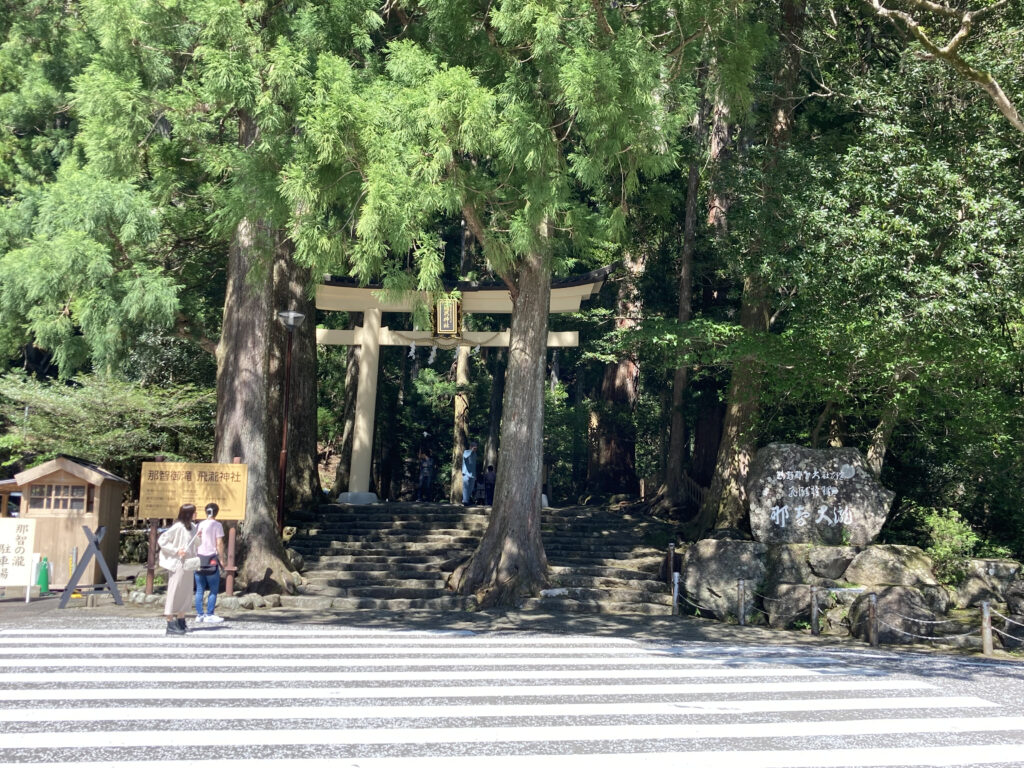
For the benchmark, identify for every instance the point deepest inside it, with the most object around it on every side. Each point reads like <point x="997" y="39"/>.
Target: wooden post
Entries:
<point x="151" y="557"/>
<point x="671" y="562"/>
<point x="873" y="619"/>
<point x="741" y="603"/>
<point x="229" y="581"/>
<point x="986" y="629"/>
<point x="815" y="619"/>
<point x="231" y="569"/>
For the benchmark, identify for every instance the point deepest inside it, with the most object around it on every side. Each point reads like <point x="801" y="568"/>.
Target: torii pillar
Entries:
<point x="346" y="295"/>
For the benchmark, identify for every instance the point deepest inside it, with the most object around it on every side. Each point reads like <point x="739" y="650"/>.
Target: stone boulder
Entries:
<point x="787" y="564"/>
<point x="787" y="604"/>
<point x="892" y="565"/>
<point x="712" y="568"/>
<point x="830" y="562"/>
<point x="986" y="579"/>
<point x="903" y="616"/>
<point x="1014" y="597"/>
<point x="804" y="495"/>
<point x="1012" y="635"/>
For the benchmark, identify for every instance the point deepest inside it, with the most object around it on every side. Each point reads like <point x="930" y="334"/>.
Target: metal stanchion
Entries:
<point x="675" y="593"/>
<point x="741" y="602"/>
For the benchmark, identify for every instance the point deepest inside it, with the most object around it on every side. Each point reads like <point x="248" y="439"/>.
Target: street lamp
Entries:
<point x="292" y="320"/>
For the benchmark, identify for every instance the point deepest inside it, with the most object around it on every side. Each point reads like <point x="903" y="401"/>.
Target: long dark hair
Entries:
<point x="186" y="513"/>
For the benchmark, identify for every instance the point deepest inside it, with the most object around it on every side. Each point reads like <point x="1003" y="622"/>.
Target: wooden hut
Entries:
<point x="64" y="494"/>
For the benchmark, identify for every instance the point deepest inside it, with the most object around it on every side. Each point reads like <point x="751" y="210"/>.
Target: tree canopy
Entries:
<point x="817" y="209"/>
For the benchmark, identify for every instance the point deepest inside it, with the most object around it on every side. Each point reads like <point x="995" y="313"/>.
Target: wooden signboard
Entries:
<point x="167" y="485"/>
<point x="17" y="538"/>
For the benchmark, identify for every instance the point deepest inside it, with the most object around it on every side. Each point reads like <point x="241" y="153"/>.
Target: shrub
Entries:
<point x="952" y="543"/>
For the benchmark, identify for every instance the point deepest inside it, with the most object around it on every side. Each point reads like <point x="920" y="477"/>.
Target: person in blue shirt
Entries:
<point x="468" y="473"/>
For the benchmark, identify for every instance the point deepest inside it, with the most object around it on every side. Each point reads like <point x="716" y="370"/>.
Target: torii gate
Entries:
<point x="346" y="295"/>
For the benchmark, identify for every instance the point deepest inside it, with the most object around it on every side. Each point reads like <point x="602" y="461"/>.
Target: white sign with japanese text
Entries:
<point x="17" y="538"/>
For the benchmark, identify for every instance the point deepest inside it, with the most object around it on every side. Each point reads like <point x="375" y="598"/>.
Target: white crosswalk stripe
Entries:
<point x="271" y="698"/>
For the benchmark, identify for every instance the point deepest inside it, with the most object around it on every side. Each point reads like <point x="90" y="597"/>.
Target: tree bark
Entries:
<point x="494" y="420"/>
<point x="678" y="437"/>
<point x="461" y="427"/>
<point x="726" y="501"/>
<point x="348" y="417"/>
<point x="615" y="465"/>
<point x="291" y="284"/>
<point x="510" y="562"/>
<point x="243" y="364"/>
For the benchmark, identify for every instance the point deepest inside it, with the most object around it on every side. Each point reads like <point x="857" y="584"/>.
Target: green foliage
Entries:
<point x="943" y="533"/>
<point x="953" y="543"/>
<point x="113" y="424"/>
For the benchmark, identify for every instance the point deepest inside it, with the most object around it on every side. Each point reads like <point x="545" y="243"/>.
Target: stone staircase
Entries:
<point x="398" y="557"/>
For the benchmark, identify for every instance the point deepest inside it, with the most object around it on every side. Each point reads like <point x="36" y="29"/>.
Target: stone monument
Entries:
<point x="807" y="496"/>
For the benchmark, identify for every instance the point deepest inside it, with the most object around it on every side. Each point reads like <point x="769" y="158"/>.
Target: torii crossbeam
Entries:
<point x="346" y="295"/>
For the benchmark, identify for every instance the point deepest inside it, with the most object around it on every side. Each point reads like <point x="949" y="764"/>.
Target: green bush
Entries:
<point x="952" y="543"/>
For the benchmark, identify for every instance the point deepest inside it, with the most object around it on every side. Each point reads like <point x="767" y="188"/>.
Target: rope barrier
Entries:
<point x="923" y="621"/>
<point x="690" y="602"/>
<point x="1008" y="635"/>
<point x="1007" y="619"/>
<point x="769" y="599"/>
<point x="926" y="637"/>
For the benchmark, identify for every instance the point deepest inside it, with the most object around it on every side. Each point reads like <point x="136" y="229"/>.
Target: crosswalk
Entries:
<point x="254" y="696"/>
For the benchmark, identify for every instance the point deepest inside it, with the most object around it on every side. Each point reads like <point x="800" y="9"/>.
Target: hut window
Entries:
<point x="48" y="496"/>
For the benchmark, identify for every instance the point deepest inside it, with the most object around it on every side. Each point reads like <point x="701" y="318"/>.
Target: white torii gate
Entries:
<point x="346" y="295"/>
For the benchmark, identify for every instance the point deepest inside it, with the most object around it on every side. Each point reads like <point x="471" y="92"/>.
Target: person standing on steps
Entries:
<point x="426" y="478"/>
<point x="211" y="557"/>
<point x="468" y="473"/>
<point x="178" y="555"/>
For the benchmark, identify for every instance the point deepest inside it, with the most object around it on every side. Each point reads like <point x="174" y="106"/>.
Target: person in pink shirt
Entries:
<point x="211" y="558"/>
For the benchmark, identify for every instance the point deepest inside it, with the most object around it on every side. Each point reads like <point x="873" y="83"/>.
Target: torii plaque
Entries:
<point x="346" y="295"/>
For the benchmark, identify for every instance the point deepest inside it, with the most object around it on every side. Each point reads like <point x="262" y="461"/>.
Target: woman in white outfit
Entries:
<point x="178" y="555"/>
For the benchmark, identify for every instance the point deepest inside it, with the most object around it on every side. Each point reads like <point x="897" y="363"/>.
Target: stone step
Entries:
<point x="568" y="605"/>
<point x="645" y="564"/>
<point x="327" y="603"/>
<point x="605" y="595"/>
<point x="607" y="571"/>
<point x="426" y="581"/>
<point x="573" y="580"/>
<point x="377" y="591"/>
<point x="456" y="525"/>
<point x="381" y="547"/>
<point x="412" y="562"/>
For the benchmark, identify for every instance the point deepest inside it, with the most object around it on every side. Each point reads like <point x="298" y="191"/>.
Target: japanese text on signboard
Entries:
<point x="166" y="486"/>
<point x="17" y="537"/>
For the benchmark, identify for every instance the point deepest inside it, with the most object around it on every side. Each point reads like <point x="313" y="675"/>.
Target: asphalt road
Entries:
<point x="105" y="686"/>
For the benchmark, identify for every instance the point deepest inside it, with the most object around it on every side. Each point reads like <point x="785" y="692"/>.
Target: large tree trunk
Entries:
<point x="726" y="502"/>
<point x="242" y="399"/>
<point x="348" y="418"/>
<point x="291" y="283"/>
<point x="678" y="438"/>
<point x="509" y="562"/>
<point x="614" y="467"/>
<point x="494" y="418"/>
<point x="460" y="430"/>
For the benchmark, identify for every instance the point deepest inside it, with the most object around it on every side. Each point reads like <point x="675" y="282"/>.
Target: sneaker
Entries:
<point x="199" y="618"/>
<point x="211" y="619"/>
